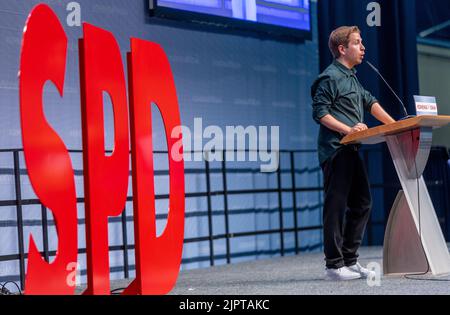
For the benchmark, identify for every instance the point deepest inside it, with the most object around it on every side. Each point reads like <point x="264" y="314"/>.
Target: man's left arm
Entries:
<point x="379" y="113"/>
<point x="372" y="105"/>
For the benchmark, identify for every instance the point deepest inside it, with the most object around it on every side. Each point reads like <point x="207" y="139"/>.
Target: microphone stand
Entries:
<point x="407" y="116"/>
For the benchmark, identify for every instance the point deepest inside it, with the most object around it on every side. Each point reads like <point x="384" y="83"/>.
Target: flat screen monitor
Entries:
<point x="278" y="17"/>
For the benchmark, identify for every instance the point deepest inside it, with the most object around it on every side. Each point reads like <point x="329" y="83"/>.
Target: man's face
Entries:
<point x="354" y="53"/>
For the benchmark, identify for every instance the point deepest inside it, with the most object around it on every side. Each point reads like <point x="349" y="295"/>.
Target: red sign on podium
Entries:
<point x="43" y="58"/>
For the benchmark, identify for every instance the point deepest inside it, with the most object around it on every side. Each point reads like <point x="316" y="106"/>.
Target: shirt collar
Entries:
<point x="344" y="69"/>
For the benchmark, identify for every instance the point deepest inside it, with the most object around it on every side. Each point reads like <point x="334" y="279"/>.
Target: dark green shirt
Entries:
<point x="338" y="92"/>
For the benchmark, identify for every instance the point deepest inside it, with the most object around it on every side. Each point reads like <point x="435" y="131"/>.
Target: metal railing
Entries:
<point x="224" y="171"/>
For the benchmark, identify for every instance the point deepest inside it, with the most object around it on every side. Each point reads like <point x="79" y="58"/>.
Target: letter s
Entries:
<point x="43" y="58"/>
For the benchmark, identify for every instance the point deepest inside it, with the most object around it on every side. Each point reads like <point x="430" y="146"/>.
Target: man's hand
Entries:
<point x="357" y="128"/>
<point x="332" y="123"/>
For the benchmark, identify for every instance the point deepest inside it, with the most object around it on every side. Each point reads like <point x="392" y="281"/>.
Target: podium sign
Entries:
<point x="426" y="105"/>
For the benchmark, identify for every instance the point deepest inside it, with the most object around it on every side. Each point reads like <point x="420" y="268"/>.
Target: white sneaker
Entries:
<point x="341" y="274"/>
<point x="364" y="272"/>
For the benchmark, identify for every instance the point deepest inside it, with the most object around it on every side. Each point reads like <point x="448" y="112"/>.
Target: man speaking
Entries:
<point x="339" y="102"/>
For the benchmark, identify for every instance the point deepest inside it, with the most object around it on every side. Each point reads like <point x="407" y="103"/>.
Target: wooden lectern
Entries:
<point x="413" y="241"/>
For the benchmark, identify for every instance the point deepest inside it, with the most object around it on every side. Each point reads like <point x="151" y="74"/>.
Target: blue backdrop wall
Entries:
<point x="224" y="79"/>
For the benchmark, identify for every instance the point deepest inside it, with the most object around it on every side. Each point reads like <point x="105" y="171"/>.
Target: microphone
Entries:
<point x="387" y="84"/>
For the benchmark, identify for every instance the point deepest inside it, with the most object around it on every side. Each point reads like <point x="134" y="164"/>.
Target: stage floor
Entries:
<point x="295" y="275"/>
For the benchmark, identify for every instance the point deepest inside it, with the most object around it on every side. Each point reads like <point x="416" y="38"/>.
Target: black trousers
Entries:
<point x="347" y="207"/>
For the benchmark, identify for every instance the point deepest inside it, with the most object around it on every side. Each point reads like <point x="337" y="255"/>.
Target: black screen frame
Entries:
<point x="216" y="23"/>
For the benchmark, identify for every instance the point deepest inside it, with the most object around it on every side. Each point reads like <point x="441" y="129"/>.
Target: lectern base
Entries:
<point x="413" y="241"/>
<point x="403" y="252"/>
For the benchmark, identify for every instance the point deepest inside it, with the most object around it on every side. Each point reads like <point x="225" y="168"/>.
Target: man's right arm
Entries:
<point x="332" y="123"/>
<point x="323" y="94"/>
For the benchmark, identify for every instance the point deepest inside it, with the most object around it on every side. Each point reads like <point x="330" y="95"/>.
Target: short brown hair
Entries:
<point x="341" y="36"/>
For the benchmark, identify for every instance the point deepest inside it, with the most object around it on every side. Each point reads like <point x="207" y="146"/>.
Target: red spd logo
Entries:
<point x="150" y="79"/>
